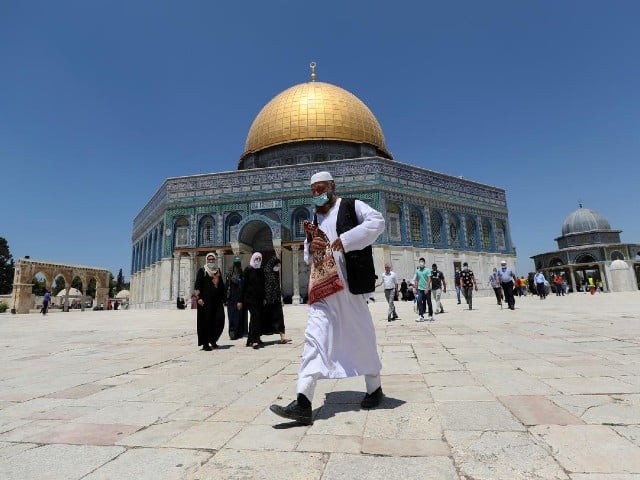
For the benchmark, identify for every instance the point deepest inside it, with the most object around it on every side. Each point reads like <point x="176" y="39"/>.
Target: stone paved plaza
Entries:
<point x="548" y="391"/>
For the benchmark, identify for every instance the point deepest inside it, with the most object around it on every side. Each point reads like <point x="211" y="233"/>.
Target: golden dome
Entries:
<point x="314" y="111"/>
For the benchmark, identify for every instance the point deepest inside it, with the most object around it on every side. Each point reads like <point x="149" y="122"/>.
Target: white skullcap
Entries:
<point x="321" y="177"/>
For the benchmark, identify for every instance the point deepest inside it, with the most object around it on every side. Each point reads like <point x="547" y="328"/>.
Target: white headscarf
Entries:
<point x="210" y="271"/>
<point x="254" y="259"/>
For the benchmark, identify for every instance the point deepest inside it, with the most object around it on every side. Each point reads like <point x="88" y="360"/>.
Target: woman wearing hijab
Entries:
<point x="211" y="294"/>
<point x="252" y="298"/>
<point x="237" y="318"/>
<point x="273" y="315"/>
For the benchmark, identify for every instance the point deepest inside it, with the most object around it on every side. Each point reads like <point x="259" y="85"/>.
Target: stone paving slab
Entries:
<point x="548" y="391"/>
<point x="488" y="455"/>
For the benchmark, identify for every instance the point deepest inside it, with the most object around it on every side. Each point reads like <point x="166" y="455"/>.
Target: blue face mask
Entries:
<point x="320" y="200"/>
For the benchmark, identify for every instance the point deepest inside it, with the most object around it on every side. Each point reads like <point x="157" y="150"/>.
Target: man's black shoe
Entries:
<point x="207" y="348"/>
<point x="372" y="400"/>
<point x="294" y="411"/>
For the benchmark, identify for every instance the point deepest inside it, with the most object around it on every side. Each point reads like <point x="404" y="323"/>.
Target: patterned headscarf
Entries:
<point x="257" y="256"/>
<point x="211" y="271"/>
<point x="272" y="281"/>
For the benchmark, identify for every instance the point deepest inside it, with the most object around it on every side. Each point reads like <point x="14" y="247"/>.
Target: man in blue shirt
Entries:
<point x="540" y="284"/>
<point x="420" y="288"/>
<point x="507" y="280"/>
<point x="45" y="302"/>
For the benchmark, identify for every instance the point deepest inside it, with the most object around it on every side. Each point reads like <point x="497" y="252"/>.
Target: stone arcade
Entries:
<point x="260" y="207"/>
<point x="27" y="269"/>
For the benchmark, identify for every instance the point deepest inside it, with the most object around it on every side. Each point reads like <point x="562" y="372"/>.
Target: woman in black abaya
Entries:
<point x="211" y="294"/>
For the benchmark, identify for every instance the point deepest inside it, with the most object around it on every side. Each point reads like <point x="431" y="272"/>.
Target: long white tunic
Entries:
<point x="340" y="339"/>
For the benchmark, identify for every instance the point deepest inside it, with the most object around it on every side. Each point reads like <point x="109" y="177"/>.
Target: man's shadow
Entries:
<point x="345" y="401"/>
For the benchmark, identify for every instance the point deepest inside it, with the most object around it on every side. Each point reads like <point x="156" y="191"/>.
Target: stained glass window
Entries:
<point x="182" y="232"/>
<point x="471" y="232"/>
<point x="416" y="226"/>
<point x="486" y="234"/>
<point x="436" y="227"/>
<point x="206" y="231"/>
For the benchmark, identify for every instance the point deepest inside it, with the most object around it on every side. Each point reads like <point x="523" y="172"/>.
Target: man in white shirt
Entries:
<point x="540" y="284"/>
<point x="340" y="338"/>
<point x="390" y="283"/>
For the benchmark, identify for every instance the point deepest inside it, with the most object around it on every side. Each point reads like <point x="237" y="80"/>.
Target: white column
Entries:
<point x="296" y="276"/>
<point x="175" y="276"/>
<point x="220" y="254"/>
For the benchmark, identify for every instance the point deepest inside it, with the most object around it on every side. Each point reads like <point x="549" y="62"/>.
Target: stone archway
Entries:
<point x="256" y="233"/>
<point x="26" y="269"/>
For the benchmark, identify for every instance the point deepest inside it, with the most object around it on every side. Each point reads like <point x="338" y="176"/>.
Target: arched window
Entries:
<point x="454" y="230"/>
<point x="486" y="234"/>
<point x="393" y="223"/>
<point x="182" y="232"/>
<point x="555" y="262"/>
<point x="617" y="255"/>
<point x="470" y="226"/>
<point x="585" y="258"/>
<point x="415" y="221"/>
<point x="436" y="227"/>
<point x="299" y="216"/>
<point x="500" y="236"/>
<point x="232" y="220"/>
<point x="206" y="231"/>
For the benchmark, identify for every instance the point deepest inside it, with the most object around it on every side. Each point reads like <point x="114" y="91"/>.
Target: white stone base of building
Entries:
<point x="160" y="285"/>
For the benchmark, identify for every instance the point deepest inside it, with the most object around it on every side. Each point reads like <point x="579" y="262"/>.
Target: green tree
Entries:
<point x="91" y="288"/>
<point x="76" y="283"/>
<point x="120" y="281"/>
<point x="6" y="268"/>
<point x="39" y="287"/>
<point x="112" y="286"/>
<point x="58" y="284"/>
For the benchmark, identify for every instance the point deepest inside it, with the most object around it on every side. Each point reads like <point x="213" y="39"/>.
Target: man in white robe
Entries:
<point x="340" y="339"/>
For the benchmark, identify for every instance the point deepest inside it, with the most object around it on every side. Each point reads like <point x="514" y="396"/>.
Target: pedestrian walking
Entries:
<point x="437" y="285"/>
<point x="390" y="283"/>
<point x="540" y="282"/>
<point x="340" y="338"/>
<point x="507" y="281"/>
<point x="494" y="282"/>
<point x="421" y="290"/>
<point x="468" y="284"/>
<point x="211" y="294"/>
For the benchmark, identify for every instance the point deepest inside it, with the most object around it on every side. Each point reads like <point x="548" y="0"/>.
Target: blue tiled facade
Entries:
<point x="423" y="208"/>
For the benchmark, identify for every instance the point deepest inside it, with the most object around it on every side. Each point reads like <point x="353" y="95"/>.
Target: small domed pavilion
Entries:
<point x="586" y="249"/>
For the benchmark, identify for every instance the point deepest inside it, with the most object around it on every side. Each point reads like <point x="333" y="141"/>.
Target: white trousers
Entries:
<point x="307" y="384"/>
<point x="437" y="294"/>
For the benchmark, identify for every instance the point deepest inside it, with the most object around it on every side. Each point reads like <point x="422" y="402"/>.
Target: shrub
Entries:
<point x="3" y="307"/>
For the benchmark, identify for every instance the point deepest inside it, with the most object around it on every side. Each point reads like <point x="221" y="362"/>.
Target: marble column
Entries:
<point x="220" y="254"/>
<point x="296" y="276"/>
<point x="175" y="280"/>
<point x="573" y="280"/>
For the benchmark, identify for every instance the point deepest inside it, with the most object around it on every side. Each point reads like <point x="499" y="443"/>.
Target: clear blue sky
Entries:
<point x="100" y="101"/>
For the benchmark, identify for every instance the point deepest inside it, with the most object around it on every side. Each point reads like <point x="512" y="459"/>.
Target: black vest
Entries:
<point x="361" y="274"/>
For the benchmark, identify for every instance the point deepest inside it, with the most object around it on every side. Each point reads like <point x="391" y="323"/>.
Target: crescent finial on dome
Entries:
<point x="313" y="71"/>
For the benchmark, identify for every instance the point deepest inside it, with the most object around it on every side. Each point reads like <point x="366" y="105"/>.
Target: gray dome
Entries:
<point x="619" y="265"/>
<point x="584" y="220"/>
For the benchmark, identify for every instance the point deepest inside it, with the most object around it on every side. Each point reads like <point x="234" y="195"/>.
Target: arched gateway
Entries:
<point x="26" y="269"/>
